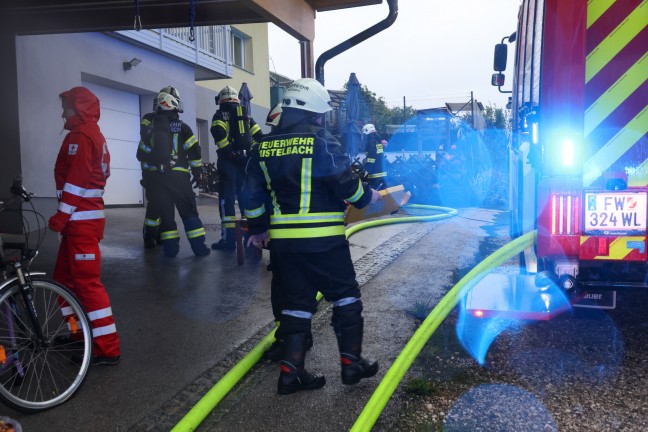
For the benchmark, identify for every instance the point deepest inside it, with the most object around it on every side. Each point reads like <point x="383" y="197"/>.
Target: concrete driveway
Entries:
<point x="183" y="322"/>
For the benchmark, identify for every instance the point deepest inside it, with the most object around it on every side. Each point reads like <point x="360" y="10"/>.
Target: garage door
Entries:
<point x="119" y="123"/>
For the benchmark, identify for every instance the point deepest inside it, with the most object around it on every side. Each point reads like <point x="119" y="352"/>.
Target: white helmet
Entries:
<point x="368" y="128"/>
<point x="307" y="94"/>
<point x="228" y="95"/>
<point x="274" y="115"/>
<point x="168" y="101"/>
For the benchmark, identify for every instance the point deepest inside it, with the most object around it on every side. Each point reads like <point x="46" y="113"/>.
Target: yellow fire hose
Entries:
<point x="207" y="403"/>
<point x="395" y="374"/>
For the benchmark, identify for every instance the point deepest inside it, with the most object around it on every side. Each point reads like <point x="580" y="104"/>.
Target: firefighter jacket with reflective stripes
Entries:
<point x="375" y="163"/>
<point x="167" y="143"/>
<point x="234" y="131"/>
<point x="297" y="184"/>
<point x="81" y="170"/>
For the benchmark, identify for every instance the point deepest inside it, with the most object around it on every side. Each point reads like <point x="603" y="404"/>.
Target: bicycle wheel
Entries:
<point x="38" y="373"/>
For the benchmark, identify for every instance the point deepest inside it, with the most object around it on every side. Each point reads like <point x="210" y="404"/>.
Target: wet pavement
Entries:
<point x="184" y="322"/>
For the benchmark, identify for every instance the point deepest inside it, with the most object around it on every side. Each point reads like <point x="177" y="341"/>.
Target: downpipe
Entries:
<point x="355" y="40"/>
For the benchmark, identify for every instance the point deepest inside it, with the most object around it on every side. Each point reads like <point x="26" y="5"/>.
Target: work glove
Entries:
<point x="236" y="156"/>
<point x="58" y="221"/>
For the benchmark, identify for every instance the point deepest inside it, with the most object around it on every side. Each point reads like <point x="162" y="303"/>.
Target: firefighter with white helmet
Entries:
<point x="274" y="116"/>
<point x="169" y="151"/>
<point x="375" y="163"/>
<point x="151" y="229"/>
<point x="302" y="167"/>
<point x="233" y="131"/>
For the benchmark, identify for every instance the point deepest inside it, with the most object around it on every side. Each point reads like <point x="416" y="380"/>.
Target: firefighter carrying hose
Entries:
<point x="233" y="131"/>
<point x="308" y="178"/>
<point x="171" y="153"/>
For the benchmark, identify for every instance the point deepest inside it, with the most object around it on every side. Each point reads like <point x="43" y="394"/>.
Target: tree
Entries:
<point x="374" y="109"/>
<point x="497" y="118"/>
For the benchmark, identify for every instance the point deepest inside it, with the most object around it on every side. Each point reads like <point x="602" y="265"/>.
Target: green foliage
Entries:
<point x="419" y="311"/>
<point x="374" y="109"/>
<point x="420" y="387"/>
<point x="497" y="118"/>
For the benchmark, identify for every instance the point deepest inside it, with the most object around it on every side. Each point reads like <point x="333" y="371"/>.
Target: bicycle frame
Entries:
<point x="11" y="279"/>
<point x="34" y="315"/>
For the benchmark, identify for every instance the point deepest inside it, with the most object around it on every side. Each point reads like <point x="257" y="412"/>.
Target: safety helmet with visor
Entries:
<point x="168" y="99"/>
<point x="368" y="128"/>
<point x="307" y="94"/>
<point x="227" y="95"/>
<point x="274" y="115"/>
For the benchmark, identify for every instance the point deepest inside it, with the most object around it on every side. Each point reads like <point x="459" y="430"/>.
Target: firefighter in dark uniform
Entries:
<point x="151" y="229"/>
<point x="233" y="131"/>
<point x="171" y="152"/>
<point x="308" y="178"/>
<point x="375" y="164"/>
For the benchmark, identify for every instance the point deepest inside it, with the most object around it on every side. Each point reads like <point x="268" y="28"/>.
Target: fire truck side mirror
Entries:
<point x="499" y="59"/>
<point x="497" y="79"/>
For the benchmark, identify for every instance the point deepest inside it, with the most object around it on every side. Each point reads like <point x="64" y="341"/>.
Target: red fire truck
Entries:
<point x="579" y="147"/>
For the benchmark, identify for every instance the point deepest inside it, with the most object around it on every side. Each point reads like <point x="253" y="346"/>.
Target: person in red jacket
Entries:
<point x="81" y="170"/>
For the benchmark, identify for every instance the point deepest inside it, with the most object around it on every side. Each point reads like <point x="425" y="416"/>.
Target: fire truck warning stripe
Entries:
<point x="615" y="148"/>
<point x="607" y="76"/>
<point x="621" y="116"/>
<point x="606" y="23"/>
<point x="596" y="8"/>
<point x="615" y="41"/>
<point x="616" y="94"/>
<point x="619" y="248"/>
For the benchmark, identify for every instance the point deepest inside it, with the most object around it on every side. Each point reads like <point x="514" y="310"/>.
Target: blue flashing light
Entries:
<point x="568" y="152"/>
<point x="534" y="133"/>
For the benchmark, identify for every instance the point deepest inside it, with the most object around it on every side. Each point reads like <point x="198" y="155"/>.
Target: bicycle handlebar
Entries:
<point x="18" y="191"/>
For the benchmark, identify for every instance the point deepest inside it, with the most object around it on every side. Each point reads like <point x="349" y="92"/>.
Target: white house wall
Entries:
<point x="50" y="64"/>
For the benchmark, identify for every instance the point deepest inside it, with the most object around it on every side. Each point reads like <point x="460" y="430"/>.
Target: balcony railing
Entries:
<point x="209" y="49"/>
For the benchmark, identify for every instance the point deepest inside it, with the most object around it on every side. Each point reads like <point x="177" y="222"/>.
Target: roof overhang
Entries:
<point x="296" y="17"/>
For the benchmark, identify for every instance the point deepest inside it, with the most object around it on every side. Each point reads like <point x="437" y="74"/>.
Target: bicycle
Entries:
<point x="45" y="334"/>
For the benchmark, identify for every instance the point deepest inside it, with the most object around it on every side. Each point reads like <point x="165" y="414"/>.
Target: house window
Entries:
<point x="241" y="50"/>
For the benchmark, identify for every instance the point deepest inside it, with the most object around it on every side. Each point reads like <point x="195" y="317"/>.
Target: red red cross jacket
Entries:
<point x="81" y="170"/>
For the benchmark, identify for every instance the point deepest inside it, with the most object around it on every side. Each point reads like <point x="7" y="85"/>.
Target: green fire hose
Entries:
<point x="208" y="402"/>
<point x="395" y="374"/>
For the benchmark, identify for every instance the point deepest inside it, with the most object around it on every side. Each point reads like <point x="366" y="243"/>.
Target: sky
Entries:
<point x="435" y="52"/>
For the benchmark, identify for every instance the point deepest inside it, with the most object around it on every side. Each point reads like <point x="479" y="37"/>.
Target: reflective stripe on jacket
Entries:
<point x="297" y="185"/>
<point x="82" y="167"/>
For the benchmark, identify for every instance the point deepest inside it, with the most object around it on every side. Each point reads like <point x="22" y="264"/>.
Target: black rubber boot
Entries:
<point x="198" y="246"/>
<point x="354" y="367"/>
<point x="171" y="247"/>
<point x="293" y="377"/>
<point x="275" y="352"/>
<point x="150" y="236"/>
<point x="224" y="245"/>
